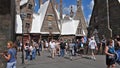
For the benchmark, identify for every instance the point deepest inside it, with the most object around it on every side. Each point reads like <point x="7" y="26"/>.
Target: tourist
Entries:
<point x="46" y="45"/>
<point x="93" y="47"/>
<point x="37" y="48"/>
<point x="71" y="49"/>
<point x="103" y="43"/>
<point x="27" y="52"/>
<point x="62" y="48"/>
<point x="57" y="47"/>
<point x="117" y="43"/>
<point x="109" y="51"/>
<point x="10" y="56"/>
<point x="52" y="46"/>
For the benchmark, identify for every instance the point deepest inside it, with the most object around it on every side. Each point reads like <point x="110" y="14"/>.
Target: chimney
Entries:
<point x="61" y="9"/>
<point x="79" y="3"/>
<point x="71" y="12"/>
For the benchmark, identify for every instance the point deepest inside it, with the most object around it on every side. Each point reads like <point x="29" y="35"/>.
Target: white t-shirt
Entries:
<point x="92" y="44"/>
<point x="46" y="44"/>
<point x="52" y="45"/>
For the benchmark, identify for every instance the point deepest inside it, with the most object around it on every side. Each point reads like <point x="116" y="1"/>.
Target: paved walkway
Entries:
<point x="45" y="61"/>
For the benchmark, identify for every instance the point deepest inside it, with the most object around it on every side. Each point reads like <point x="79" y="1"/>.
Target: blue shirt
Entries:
<point x="12" y="52"/>
<point x="111" y="50"/>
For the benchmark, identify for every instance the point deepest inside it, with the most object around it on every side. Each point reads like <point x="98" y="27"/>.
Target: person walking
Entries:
<point x="93" y="47"/>
<point x="62" y="48"/>
<point x="10" y="56"/>
<point x="37" y="48"/>
<point x="103" y="43"/>
<point x="71" y="49"/>
<point x="52" y="46"/>
<point x="110" y="51"/>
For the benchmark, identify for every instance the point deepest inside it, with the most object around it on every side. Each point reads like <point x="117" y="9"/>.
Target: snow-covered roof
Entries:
<point x="39" y="18"/>
<point x="49" y="32"/>
<point x="35" y="24"/>
<point x="57" y="13"/>
<point x="18" y="24"/>
<point x="22" y="2"/>
<point x="69" y="27"/>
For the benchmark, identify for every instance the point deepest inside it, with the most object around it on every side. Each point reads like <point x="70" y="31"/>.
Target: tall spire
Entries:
<point x="80" y="16"/>
<point x="61" y="9"/>
<point x="78" y="3"/>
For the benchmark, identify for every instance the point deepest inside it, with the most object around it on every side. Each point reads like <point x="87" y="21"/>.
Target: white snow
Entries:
<point x="69" y="27"/>
<point x="39" y="18"/>
<point x="18" y="24"/>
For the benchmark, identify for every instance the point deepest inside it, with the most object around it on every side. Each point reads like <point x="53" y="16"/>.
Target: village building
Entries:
<point x="43" y="21"/>
<point x="7" y="21"/>
<point x="105" y="19"/>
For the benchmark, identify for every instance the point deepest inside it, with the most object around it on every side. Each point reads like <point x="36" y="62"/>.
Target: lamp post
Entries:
<point x="22" y="15"/>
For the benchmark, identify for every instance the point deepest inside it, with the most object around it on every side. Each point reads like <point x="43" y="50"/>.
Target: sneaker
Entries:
<point x="94" y="58"/>
<point x="70" y="58"/>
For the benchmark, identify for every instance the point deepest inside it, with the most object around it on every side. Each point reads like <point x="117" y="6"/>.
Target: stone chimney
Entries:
<point x="61" y="9"/>
<point x="71" y="12"/>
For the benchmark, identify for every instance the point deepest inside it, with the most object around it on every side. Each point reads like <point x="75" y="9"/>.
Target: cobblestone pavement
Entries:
<point x="45" y="61"/>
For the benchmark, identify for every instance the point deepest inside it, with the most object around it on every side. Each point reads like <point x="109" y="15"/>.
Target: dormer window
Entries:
<point x="50" y="17"/>
<point x="27" y="26"/>
<point x="28" y="15"/>
<point x="30" y="6"/>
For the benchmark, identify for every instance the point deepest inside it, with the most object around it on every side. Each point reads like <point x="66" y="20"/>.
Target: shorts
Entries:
<point x="109" y="61"/>
<point x="92" y="51"/>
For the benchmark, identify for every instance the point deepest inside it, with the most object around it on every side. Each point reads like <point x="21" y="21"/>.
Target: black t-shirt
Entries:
<point x="62" y="45"/>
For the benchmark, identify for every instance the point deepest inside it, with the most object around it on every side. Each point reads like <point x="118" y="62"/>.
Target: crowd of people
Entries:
<point x="60" y="47"/>
<point x="73" y="47"/>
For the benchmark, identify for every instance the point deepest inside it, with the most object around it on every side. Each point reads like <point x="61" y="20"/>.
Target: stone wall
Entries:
<point x="6" y="25"/>
<point x="103" y="17"/>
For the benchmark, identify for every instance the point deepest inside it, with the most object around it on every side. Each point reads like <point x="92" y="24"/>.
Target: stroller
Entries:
<point x="117" y="56"/>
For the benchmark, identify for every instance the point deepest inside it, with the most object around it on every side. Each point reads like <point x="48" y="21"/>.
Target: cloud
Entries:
<point x="82" y="7"/>
<point x="91" y="5"/>
<point x="88" y="18"/>
<point x="66" y="10"/>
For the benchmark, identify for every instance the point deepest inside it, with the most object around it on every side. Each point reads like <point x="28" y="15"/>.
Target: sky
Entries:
<point x="87" y="6"/>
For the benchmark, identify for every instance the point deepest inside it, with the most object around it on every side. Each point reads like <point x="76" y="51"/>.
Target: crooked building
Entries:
<point x="44" y="21"/>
